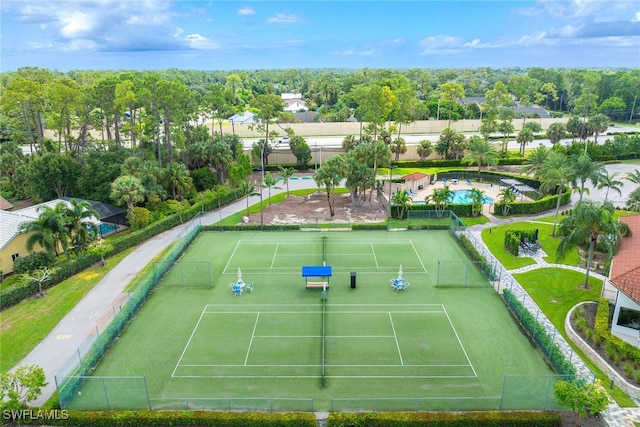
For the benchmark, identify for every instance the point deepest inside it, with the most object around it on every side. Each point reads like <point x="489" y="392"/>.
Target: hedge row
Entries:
<point x="251" y="227"/>
<point x="531" y="208"/>
<point x="625" y="350"/>
<point x="13" y="294"/>
<point x="448" y="163"/>
<point x="476" y="256"/>
<point x="513" y="238"/>
<point x="181" y="418"/>
<point x="538" y="334"/>
<point x="445" y="419"/>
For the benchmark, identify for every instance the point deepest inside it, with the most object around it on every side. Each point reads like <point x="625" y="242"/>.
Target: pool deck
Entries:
<point x="489" y="189"/>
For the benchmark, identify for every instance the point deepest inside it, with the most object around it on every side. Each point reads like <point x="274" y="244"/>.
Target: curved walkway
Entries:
<point x="615" y="416"/>
<point x="63" y="341"/>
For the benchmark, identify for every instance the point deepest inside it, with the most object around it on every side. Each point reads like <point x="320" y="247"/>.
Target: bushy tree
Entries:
<point x="21" y="386"/>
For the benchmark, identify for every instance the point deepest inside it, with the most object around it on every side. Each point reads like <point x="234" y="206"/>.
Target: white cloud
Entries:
<point x="103" y="25"/>
<point x="246" y="11"/>
<point x="284" y="18"/>
<point x="197" y="41"/>
<point x="636" y="17"/>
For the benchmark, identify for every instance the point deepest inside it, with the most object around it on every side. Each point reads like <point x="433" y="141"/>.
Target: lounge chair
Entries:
<point x="469" y="181"/>
<point x="444" y="181"/>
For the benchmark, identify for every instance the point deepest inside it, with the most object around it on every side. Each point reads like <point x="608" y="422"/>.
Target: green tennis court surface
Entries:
<point x="201" y="346"/>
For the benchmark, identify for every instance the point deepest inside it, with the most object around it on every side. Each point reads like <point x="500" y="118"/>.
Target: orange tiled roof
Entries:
<point x="4" y="204"/>
<point x="415" y="176"/>
<point x="625" y="269"/>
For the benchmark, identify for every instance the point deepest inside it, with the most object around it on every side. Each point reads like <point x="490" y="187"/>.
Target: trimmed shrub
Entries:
<point x="33" y="261"/>
<point x="182" y="418"/>
<point x="449" y="419"/>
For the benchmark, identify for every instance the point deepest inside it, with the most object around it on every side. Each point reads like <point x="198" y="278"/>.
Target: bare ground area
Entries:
<point x="315" y="208"/>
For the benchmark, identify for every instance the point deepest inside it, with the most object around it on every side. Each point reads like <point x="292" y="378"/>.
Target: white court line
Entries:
<point x="374" y="256"/>
<point x="326" y="336"/>
<point x="189" y="341"/>
<point x="327" y="376"/>
<point x="419" y="259"/>
<point x="396" y="338"/>
<point x="253" y="333"/>
<point x="460" y="342"/>
<point x="231" y="257"/>
<point x="334" y="366"/>
<point x="275" y="253"/>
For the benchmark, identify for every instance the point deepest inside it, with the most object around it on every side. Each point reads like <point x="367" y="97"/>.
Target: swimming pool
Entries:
<point x="462" y="197"/>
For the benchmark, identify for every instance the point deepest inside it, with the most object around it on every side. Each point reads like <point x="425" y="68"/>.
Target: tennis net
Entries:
<point x="324" y="335"/>
<point x="324" y="250"/>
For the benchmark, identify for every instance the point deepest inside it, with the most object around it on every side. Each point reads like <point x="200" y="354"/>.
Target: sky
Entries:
<point x="68" y="35"/>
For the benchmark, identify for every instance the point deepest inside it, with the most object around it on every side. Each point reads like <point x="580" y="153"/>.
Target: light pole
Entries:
<point x="261" y="181"/>
<point x="390" y="169"/>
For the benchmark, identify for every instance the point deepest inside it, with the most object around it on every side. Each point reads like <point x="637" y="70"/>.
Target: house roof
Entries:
<point x="10" y="221"/>
<point x="625" y="268"/>
<point x="246" y="117"/>
<point x="415" y="176"/>
<point x="5" y="205"/>
<point x="534" y="109"/>
<point x="104" y="210"/>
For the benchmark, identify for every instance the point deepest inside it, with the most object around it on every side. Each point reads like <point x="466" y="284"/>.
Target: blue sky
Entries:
<point x="226" y="35"/>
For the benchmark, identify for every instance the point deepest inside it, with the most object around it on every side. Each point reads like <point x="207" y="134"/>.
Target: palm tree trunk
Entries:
<point x="555" y="220"/>
<point x="592" y="245"/>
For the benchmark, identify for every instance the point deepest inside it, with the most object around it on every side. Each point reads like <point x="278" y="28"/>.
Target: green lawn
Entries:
<point x="494" y="238"/>
<point x="26" y="324"/>
<point x="426" y="342"/>
<point x="556" y="291"/>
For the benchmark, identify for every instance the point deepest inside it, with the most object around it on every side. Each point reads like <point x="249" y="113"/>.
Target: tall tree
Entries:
<point x="610" y="182"/>
<point x="591" y="223"/>
<point x="585" y="169"/>
<point x="329" y="175"/>
<point x="286" y="174"/>
<point x="480" y="153"/>
<point x="556" y="174"/>
<point x="450" y="92"/>
<point x="78" y="215"/>
<point x="127" y="190"/>
<point x="535" y="160"/>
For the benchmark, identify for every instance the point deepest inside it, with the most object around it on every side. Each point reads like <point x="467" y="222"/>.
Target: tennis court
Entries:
<point x="205" y="346"/>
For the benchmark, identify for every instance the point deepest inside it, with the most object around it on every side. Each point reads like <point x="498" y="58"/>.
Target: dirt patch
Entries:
<point x="314" y="208"/>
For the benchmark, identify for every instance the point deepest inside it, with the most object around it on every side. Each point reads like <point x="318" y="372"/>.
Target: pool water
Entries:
<point x="461" y="197"/>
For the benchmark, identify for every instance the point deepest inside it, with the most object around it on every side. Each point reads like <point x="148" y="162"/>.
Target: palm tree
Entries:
<point x="80" y="229"/>
<point x="591" y="223"/>
<point x="286" y="174"/>
<point x="524" y="137"/>
<point x="402" y="200"/>
<point x="477" y="198"/>
<point x="481" y="152"/>
<point x="127" y="190"/>
<point x="584" y="168"/>
<point x="249" y="190"/>
<point x="556" y="174"/>
<point x="611" y="183"/>
<point x="535" y="159"/>
<point x="48" y="230"/>
<point x="556" y="132"/>
<point x="330" y="175"/>
<point x="633" y="176"/>
<point x="270" y="182"/>
<point x="179" y="180"/>
<point x="441" y="198"/>
<point x="506" y="198"/>
<point x="633" y="204"/>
